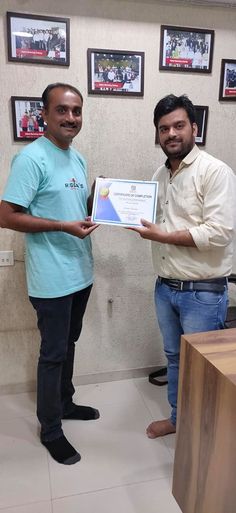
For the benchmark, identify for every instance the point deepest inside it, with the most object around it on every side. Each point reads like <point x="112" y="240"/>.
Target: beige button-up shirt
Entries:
<point x="198" y="197"/>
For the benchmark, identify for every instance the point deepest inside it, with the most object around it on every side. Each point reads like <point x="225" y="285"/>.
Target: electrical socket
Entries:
<point x="6" y="258"/>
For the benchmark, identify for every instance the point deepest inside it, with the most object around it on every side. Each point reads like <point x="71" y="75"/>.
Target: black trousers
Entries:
<point x="60" y="324"/>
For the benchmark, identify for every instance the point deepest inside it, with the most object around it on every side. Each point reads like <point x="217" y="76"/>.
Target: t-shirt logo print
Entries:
<point x="73" y="184"/>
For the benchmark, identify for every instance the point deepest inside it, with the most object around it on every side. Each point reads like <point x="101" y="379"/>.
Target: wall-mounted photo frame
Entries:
<point x="27" y="119"/>
<point x="115" y="72"/>
<point x="227" y="92"/>
<point x="186" y="49"/>
<point x="156" y="137"/>
<point x="38" y="39"/>
<point x="201" y="112"/>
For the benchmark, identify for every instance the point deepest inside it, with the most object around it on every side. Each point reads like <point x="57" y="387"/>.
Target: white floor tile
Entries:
<point x="17" y="405"/>
<point x="38" y="507"/>
<point x="24" y="476"/>
<point x="150" y="497"/>
<point x="155" y="398"/>
<point x="107" y="393"/>
<point x="121" y="469"/>
<point x="169" y="442"/>
<point x="115" y="451"/>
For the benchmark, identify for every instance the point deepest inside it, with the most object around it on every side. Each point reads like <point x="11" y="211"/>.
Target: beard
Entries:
<point x="177" y="148"/>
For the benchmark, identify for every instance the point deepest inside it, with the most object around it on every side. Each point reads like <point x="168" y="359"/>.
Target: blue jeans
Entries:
<point x="60" y="323"/>
<point x="181" y="312"/>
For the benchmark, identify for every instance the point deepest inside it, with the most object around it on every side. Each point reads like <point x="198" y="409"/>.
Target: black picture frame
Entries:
<point x="115" y="72"/>
<point x="186" y="49"/>
<point x="227" y="91"/>
<point x="38" y="39"/>
<point x="201" y="112"/>
<point x="27" y="119"/>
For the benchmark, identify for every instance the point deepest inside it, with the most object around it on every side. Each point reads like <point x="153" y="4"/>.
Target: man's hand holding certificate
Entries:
<point x="124" y="202"/>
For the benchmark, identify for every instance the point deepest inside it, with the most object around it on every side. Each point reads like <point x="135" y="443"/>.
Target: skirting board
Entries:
<point x="86" y="379"/>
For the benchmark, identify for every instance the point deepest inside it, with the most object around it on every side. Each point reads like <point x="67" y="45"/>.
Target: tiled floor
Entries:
<point x="121" y="470"/>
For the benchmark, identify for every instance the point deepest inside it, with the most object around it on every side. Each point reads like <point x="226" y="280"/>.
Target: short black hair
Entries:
<point x="170" y="103"/>
<point x="50" y="87"/>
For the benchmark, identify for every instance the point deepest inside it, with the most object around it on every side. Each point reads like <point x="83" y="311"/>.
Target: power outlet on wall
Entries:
<point x="6" y="258"/>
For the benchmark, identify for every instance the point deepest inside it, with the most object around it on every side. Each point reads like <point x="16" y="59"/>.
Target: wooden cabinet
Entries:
<point x="205" y="459"/>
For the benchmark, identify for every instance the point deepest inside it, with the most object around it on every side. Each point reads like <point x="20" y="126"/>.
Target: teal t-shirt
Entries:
<point x="52" y="183"/>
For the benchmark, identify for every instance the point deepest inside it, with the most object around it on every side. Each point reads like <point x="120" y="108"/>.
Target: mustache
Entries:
<point x="69" y="125"/>
<point x="173" y="139"/>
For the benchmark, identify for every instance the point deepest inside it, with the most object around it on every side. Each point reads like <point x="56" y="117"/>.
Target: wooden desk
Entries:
<point x="205" y="459"/>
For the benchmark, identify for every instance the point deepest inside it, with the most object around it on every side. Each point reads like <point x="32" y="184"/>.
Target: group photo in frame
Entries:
<point x="115" y="72"/>
<point x="201" y="114"/>
<point x="38" y="39"/>
<point x="227" y="90"/>
<point x="27" y="120"/>
<point x="186" y="49"/>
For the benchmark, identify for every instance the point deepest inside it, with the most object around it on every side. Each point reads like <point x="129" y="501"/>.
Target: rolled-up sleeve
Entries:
<point x="217" y="228"/>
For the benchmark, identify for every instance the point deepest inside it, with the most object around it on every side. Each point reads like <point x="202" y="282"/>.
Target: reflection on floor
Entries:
<point x="121" y="470"/>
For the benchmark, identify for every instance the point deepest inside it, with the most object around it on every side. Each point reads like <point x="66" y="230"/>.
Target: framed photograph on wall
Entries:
<point x="38" y="39"/>
<point x="156" y="137"/>
<point x="227" y="90"/>
<point x="201" y="120"/>
<point x="115" y="72"/>
<point x="201" y="112"/>
<point x="27" y="119"/>
<point x="186" y="49"/>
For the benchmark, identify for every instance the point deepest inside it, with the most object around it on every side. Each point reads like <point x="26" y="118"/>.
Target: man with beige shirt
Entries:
<point x="192" y="240"/>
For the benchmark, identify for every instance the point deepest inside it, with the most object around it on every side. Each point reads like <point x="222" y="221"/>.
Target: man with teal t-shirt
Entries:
<point x="46" y="197"/>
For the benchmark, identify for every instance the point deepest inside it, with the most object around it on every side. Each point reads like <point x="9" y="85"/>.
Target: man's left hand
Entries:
<point x="78" y="228"/>
<point x="149" y="231"/>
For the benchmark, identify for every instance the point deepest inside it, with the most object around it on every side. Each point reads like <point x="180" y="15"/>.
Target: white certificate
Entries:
<point x="124" y="202"/>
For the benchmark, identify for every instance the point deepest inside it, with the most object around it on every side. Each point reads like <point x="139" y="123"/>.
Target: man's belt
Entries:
<point x="213" y="285"/>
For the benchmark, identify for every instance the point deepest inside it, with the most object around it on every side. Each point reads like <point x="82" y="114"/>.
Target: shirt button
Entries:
<point x="163" y="258"/>
<point x="164" y="221"/>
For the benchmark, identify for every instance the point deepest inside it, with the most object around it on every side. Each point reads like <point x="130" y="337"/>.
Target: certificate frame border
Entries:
<point x="115" y="223"/>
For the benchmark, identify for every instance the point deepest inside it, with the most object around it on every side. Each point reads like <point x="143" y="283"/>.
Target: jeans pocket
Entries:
<point x="208" y="298"/>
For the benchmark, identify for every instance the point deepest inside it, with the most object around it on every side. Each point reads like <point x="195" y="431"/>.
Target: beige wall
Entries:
<point x="118" y="141"/>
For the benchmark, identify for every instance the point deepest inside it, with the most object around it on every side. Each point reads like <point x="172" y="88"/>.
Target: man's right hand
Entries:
<point x="14" y="217"/>
<point x="78" y="228"/>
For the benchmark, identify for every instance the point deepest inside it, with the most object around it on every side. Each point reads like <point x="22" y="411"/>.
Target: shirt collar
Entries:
<point x="189" y="159"/>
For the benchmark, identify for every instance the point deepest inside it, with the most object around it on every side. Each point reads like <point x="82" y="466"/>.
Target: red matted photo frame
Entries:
<point x="186" y="49"/>
<point x="27" y="119"/>
<point x="115" y="72"/>
<point x="38" y="39"/>
<point x="227" y="92"/>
